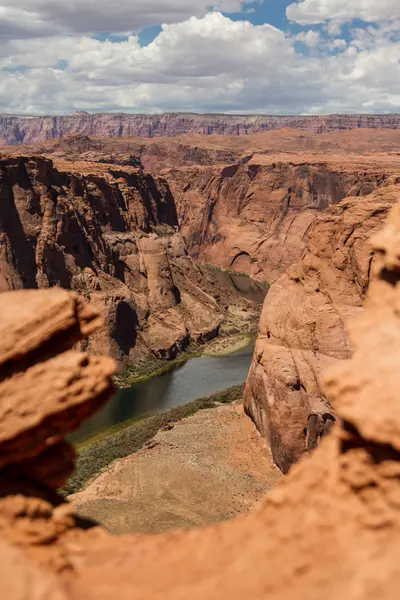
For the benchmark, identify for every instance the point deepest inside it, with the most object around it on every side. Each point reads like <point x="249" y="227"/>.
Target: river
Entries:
<point x="184" y="382"/>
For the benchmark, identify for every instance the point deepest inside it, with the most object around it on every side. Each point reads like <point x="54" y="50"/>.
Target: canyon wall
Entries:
<point x="331" y="529"/>
<point x="16" y="129"/>
<point x="110" y="233"/>
<point x="303" y="325"/>
<point x="254" y="217"/>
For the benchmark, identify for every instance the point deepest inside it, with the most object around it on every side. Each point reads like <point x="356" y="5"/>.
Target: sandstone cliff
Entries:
<point x="254" y="217"/>
<point x="330" y="530"/>
<point x="303" y="326"/>
<point x="112" y="234"/>
<point x="19" y="129"/>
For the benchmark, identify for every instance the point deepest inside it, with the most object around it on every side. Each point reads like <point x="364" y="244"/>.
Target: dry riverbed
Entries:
<point x="206" y="468"/>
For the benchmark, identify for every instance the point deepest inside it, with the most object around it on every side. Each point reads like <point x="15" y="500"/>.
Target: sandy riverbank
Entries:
<point x="206" y="468"/>
<point x="229" y="345"/>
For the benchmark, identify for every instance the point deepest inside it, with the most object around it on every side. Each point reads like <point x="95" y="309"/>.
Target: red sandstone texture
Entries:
<point x="303" y="326"/>
<point x="330" y="530"/>
<point x="255" y="217"/>
<point x="112" y="234"/>
<point x="16" y="129"/>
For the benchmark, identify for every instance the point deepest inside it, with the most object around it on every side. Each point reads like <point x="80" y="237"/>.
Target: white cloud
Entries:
<point x="310" y="12"/>
<point x="38" y="17"/>
<point x="316" y="41"/>
<point x="310" y="38"/>
<point x="205" y="64"/>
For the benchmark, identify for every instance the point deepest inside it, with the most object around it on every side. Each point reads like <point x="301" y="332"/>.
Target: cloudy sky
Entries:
<point x="268" y="56"/>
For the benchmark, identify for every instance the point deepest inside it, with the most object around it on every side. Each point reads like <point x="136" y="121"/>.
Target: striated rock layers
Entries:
<point x="16" y="129"/>
<point x="254" y="217"/>
<point x="110" y="233"/>
<point x="303" y="326"/>
<point x="330" y="530"/>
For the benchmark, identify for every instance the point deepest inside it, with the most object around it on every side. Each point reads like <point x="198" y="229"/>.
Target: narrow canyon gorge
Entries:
<point x="84" y="214"/>
<point x="331" y="526"/>
<point x="114" y="252"/>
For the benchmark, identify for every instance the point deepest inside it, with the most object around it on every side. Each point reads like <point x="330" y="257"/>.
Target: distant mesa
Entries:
<point x="16" y="129"/>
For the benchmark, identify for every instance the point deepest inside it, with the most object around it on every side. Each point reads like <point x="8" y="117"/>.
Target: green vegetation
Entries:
<point x="211" y="268"/>
<point x="96" y="457"/>
<point x="149" y="367"/>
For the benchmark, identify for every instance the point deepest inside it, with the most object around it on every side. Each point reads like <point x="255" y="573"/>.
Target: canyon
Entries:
<point x="255" y="217"/>
<point x="292" y="209"/>
<point x="330" y="528"/>
<point x="111" y="234"/>
<point x="15" y="129"/>
<point x="104" y="263"/>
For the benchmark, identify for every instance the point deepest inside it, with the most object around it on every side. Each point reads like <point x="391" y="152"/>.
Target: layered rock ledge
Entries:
<point x="16" y="129"/>
<point x="112" y="234"/>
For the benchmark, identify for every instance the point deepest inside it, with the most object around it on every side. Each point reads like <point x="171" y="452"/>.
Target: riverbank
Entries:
<point x="205" y="468"/>
<point x="115" y="443"/>
<point x="146" y="368"/>
<point x="229" y="345"/>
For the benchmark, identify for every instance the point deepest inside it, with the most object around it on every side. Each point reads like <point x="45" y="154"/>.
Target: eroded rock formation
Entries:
<point x="303" y="326"/>
<point x="331" y="529"/>
<point x="254" y="217"/>
<point x="110" y="233"/>
<point x="18" y="129"/>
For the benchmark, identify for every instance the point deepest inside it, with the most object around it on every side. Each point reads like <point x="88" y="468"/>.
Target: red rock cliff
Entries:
<point x="110" y="233"/>
<point x="18" y="129"/>
<point x="303" y="326"/>
<point x="254" y="217"/>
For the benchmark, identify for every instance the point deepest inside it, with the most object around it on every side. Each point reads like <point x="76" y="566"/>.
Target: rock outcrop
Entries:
<point x="16" y="129"/>
<point x="303" y="326"/>
<point x="331" y="529"/>
<point x="254" y="217"/>
<point x="110" y="233"/>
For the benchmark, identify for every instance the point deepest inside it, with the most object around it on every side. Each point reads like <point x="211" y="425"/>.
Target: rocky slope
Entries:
<point x="303" y="325"/>
<point x="19" y="129"/>
<point x="331" y="529"/>
<point x="254" y="217"/>
<point x="112" y="234"/>
<point x="205" y="469"/>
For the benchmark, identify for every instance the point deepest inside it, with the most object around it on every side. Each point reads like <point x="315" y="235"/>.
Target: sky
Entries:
<point x="154" y="56"/>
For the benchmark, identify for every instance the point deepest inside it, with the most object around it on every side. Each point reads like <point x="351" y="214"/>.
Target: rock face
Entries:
<point x="331" y="529"/>
<point x="18" y="129"/>
<point x="112" y="234"/>
<point x="254" y="217"/>
<point x="303" y="326"/>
